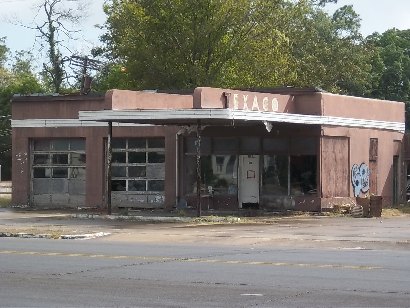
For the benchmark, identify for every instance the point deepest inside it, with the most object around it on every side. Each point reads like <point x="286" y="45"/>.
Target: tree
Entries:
<point x="329" y="50"/>
<point x="19" y="78"/>
<point x="390" y="77"/>
<point x="226" y="43"/>
<point x="55" y="32"/>
<point x="186" y="43"/>
<point x="3" y="57"/>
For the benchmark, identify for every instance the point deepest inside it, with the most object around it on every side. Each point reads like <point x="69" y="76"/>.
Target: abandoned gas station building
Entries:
<point x="300" y="149"/>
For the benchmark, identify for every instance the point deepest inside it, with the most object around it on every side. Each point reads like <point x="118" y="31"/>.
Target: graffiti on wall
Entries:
<point x="360" y="179"/>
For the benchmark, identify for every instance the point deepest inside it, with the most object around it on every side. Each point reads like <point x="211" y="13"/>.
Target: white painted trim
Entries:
<point x="55" y="123"/>
<point x="184" y="115"/>
<point x="100" y="119"/>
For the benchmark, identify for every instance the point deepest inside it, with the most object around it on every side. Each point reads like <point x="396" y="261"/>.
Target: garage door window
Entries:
<point x="59" y="158"/>
<point x="138" y="164"/>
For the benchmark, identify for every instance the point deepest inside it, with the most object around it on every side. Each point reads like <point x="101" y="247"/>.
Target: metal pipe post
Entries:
<point x="198" y="168"/>
<point x="109" y="168"/>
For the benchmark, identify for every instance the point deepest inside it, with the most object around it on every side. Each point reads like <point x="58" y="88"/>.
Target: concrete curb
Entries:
<point x="161" y="219"/>
<point x="83" y="236"/>
<point x="51" y="236"/>
<point x="133" y="218"/>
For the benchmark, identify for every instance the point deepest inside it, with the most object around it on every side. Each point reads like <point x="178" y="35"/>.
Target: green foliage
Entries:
<point x="3" y="51"/>
<point x="113" y="76"/>
<point x="390" y="78"/>
<point x="328" y="51"/>
<point x="225" y="43"/>
<point x="60" y="17"/>
<point x="183" y="44"/>
<point x="18" y="79"/>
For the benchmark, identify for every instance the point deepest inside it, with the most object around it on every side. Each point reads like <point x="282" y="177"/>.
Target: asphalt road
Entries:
<point x="170" y="272"/>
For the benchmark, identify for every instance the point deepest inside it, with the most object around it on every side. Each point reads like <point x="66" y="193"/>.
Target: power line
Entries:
<point x="85" y="64"/>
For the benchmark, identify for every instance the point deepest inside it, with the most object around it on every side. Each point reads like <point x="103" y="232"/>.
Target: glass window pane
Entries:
<point x="118" y="172"/>
<point x="41" y="173"/>
<point x="157" y="185"/>
<point x="190" y="145"/>
<point x="60" y="173"/>
<point x="156" y="157"/>
<point x="275" y="145"/>
<point x="221" y="173"/>
<point x="77" y="173"/>
<point x="136" y="157"/>
<point x="118" y="143"/>
<point x="156" y="171"/>
<point x="78" y="159"/>
<point x="60" y="159"/>
<point x="137" y="171"/>
<point x="77" y="144"/>
<point x="41" y="159"/>
<point x="119" y="157"/>
<point x="303" y="146"/>
<point x="303" y="174"/>
<point x="61" y="144"/>
<point x="250" y="145"/>
<point x="224" y="145"/>
<point x="136" y="185"/>
<point x="118" y="185"/>
<point x="41" y="145"/>
<point x="275" y="175"/>
<point x="189" y="174"/>
<point x="156" y="143"/>
<point x="137" y="143"/>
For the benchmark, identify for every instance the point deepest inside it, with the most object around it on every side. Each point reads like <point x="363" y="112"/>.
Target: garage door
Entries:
<point x="58" y="173"/>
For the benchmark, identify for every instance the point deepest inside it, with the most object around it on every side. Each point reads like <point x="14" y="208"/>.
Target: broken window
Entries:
<point x="138" y="164"/>
<point x="303" y="174"/>
<point x="58" y="171"/>
<point x="288" y="165"/>
<point x="275" y="175"/>
<point x="219" y="174"/>
<point x="51" y="158"/>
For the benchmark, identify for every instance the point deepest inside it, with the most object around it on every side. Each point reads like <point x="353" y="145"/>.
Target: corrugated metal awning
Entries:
<point x="228" y="117"/>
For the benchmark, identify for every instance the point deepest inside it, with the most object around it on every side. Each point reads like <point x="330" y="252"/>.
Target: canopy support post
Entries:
<point x="109" y="168"/>
<point x="198" y="168"/>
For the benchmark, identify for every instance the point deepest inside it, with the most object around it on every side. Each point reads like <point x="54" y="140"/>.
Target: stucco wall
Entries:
<point x="359" y="143"/>
<point x="123" y="99"/>
<point x="362" y="108"/>
<point x="54" y="107"/>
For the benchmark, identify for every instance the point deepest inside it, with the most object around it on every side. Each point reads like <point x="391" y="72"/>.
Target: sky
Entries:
<point x="15" y="12"/>
<point x="376" y="15"/>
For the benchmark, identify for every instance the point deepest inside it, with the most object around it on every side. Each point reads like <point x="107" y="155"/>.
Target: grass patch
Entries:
<point x="401" y="210"/>
<point x="5" y="201"/>
<point x="219" y="220"/>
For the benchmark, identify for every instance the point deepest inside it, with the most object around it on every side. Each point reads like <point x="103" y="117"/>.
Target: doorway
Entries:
<point x="248" y="193"/>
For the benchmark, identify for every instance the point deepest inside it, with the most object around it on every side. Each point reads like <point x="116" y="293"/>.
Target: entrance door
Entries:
<point x="248" y="180"/>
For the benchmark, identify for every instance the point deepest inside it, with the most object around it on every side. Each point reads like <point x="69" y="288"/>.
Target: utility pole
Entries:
<point x="85" y="64"/>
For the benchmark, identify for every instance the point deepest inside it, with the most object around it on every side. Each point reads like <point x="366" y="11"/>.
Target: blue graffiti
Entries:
<point x="360" y="179"/>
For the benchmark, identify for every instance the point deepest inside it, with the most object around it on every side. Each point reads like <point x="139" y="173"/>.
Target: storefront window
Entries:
<point x="288" y="166"/>
<point x="250" y="145"/>
<point x="190" y="145"/>
<point x="303" y="174"/>
<point x="219" y="174"/>
<point x="225" y="145"/>
<point x="275" y="175"/>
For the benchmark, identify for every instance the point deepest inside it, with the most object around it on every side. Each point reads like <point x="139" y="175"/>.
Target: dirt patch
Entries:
<point x="401" y="210"/>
